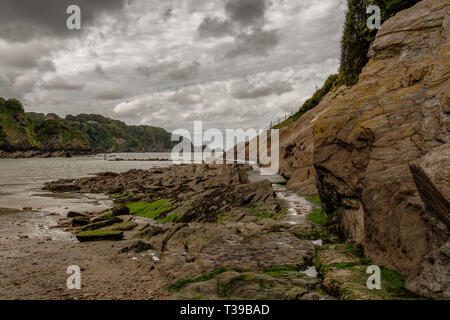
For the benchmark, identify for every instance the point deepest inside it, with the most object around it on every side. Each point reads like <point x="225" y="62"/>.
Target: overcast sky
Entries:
<point x="230" y="63"/>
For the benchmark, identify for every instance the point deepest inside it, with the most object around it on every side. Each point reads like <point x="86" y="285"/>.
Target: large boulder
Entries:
<point x="367" y="136"/>
<point x="431" y="174"/>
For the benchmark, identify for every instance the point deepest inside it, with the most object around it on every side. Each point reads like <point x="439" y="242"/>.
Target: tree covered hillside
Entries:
<point x="18" y="132"/>
<point x="113" y="135"/>
<point x="22" y="132"/>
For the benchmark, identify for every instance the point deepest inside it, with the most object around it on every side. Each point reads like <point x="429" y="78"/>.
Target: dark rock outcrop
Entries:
<point x="206" y="191"/>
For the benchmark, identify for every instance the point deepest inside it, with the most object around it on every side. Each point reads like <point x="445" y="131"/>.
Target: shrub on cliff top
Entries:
<point x="14" y="105"/>
<point x="357" y="37"/>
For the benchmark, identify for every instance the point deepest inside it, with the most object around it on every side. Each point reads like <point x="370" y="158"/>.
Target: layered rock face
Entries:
<point x="431" y="174"/>
<point x="296" y="149"/>
<point x="367" y="136"/>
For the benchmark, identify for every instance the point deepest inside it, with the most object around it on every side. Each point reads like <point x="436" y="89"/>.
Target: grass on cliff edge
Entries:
<point x="330" y="84"/>
<point x="151" y="209"/>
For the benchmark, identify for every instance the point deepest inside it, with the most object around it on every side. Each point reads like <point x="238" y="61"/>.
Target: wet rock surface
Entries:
<point x="204" y="191"/>
<point x="223" y="222"/>
<point x="251" y="242"/>
<point x="431" y="175"/>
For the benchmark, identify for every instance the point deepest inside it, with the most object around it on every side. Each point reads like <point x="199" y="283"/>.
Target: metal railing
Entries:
<point x="279" y="120"/>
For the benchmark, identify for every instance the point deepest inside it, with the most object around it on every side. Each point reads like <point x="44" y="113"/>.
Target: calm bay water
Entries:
<point x="21" y="180"/>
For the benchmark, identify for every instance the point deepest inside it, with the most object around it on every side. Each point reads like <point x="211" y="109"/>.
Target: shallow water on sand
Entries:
<point x="21" y="180"/>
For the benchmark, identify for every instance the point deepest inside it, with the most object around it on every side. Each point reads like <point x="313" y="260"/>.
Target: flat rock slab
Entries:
<point x="99" y="235"/>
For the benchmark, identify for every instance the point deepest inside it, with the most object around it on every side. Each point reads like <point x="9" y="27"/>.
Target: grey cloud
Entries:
<point x="23" y="55"/>
<point x="25" y="82"/>
<point x="240" y="91"/>
<point x="214" y="27"/>
<point x="184" y="72"/>
<point x="100" y="71"/>
<point x="246" y="12"/>
<point x="187" y="97"/>
<point x="59" y="83"/>
<point x="167" y="14"/>
<point x="144" y="70"/>
<point x="26" y="19"/>
<point x="111" y="94"/>
<point x="255" y="43"/>
<point x="46" y="65"/>
<point x="155" y="68"/>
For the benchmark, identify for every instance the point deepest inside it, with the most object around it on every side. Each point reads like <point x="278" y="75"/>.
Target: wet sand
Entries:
<point x="35" y="254"/>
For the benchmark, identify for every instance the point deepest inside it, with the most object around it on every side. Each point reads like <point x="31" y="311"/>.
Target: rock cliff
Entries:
<point x="378" y="151"/>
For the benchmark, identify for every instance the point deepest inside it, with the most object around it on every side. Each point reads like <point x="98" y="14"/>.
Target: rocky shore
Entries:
<point x="210" y="232"/>
<point x="41" y="154"/>
<point x="376" y="153"/>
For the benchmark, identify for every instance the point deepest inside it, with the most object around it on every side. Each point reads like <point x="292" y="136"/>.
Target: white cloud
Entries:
<point x="25" y="82"/>
<point x="130" y="108"/>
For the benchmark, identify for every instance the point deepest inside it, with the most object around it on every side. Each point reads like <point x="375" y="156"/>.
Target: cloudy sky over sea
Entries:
<point x="230" y="63"/>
